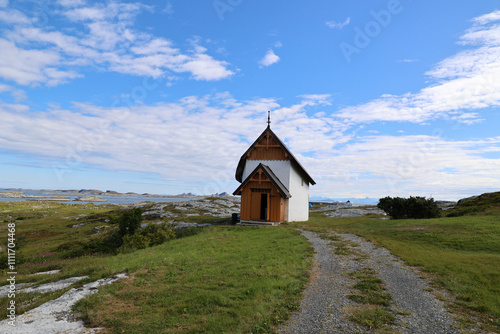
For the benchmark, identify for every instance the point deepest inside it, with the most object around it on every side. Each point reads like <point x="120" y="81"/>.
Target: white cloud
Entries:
<point x="105" y="39"/>
<point x="13" y="16"/>
<point x="31" y="66"/>
<point x="113" y="10"/>
<point x="71" y="3"/>
<point x="178" y="140"/>
<point x="170" y="139"/>
<point x="17" y="94"/>
<point x="204" y="67"/>
<point x="408" y="165"/>
<point x="169" y="9"/>
<point x="465" y="83"/>
<point x="407" y="60"/>
<point x="269" y="59"/>
<point x="4" y="3"/>
<point x="338" y="25"/>
<point x="487" y="18"/>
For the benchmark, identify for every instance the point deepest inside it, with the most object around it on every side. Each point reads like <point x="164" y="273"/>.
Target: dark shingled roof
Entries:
<point x="269" y="173"/>
<point x="294" y="161"/>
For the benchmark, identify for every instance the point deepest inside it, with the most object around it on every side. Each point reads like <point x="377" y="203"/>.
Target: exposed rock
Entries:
<point x="91" y="192"/>
<point x="55" y="316"/>
<point x="158" y="211"/>
<point x="90" y="199"/>
<point x="333" y="206"/>
<point x="43" y="288"/>
<point x="340" y="209"/>
<point x="77" y="225"/>
<point x="17" y="195"/>
<point x="4" y="290"/>
<point x="467" y="198"/>
<point x="446" y="205"/>
<point x="50" y="272"/>
<point x="34" y="197"/>
<point x="345" y="212"/>
<point x="217" y="208"/>
<point x="223" y="207"/>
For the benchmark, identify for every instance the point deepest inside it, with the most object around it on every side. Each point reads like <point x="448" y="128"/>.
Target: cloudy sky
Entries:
<point x="375" y="98"/>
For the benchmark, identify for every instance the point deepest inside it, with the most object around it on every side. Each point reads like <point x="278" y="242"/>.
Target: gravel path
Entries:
<point x="325" y="307"/>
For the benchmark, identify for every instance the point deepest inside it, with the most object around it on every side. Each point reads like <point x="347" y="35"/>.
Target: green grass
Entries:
<point x="488" y="203"/>
<point x="216" y="279"/>
<point x="224" y="279"/>
<point x="462" y="254"/>
<point x="229" y="279"/>
<point x="375" y="317"/>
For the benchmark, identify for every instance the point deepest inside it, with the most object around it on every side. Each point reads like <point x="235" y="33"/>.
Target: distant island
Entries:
<point x="93" y="196"/>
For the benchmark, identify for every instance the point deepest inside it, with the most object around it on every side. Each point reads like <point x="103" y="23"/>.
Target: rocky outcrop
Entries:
<point x="216" y="208"/>
<point x="33" y="197"/>
<point x="90" y="199"/>
<point x="341" y="210"/>
<point x="91" y="192"/>
<point x="221" y="208"/>
<point x="55" y="316"/>
<point x="348" y="212"/>
<point x="158" y="211"/>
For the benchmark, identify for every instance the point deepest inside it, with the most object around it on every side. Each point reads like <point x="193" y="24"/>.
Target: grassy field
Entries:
<point x="224" y="279"/>
<point x="241" y="279"/>
<point x="461" y="254"/>
<point x="215" y="280"/>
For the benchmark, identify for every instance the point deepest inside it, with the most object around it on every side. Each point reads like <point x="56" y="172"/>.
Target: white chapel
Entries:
<point x="274" y="185"/>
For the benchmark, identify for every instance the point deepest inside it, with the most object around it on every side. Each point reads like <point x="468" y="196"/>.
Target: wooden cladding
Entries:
<point x="261" y="200"/>
<point x="267" y="149"/>
<point x="267" y="191"/>
<point x="262" y="205"/>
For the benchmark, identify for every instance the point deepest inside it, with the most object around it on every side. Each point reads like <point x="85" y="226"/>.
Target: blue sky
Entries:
<point x="375" y="98"/>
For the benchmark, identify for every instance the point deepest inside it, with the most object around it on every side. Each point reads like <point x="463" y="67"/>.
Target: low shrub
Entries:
<point x="151" y="235"/>
<point x="409" y="208"/>
<point x="463" y="212"/>
<point x="129" y="221"/>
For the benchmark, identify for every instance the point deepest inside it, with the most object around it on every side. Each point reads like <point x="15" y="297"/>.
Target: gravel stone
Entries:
<point x="324" y="307"/>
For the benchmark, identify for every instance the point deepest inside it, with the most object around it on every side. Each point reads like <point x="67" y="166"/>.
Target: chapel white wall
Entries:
<point x="280" y="168"/>
<point x="298" y="204"/>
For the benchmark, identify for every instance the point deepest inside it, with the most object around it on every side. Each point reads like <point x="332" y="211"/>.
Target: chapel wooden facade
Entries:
<point x="274" y="185"/>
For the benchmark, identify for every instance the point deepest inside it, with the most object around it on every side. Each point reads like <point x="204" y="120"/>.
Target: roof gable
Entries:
<point x="269" y="175"/>
<point x="269" y="147"/>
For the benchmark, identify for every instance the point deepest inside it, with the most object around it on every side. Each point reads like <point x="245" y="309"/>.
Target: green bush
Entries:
<point x="129" y="221"/>
<point x="409" y="208"/>
<point x="149" y="236"/>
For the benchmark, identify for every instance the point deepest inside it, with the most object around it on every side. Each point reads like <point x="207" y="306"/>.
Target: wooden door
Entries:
<point x="255" y="205"/>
